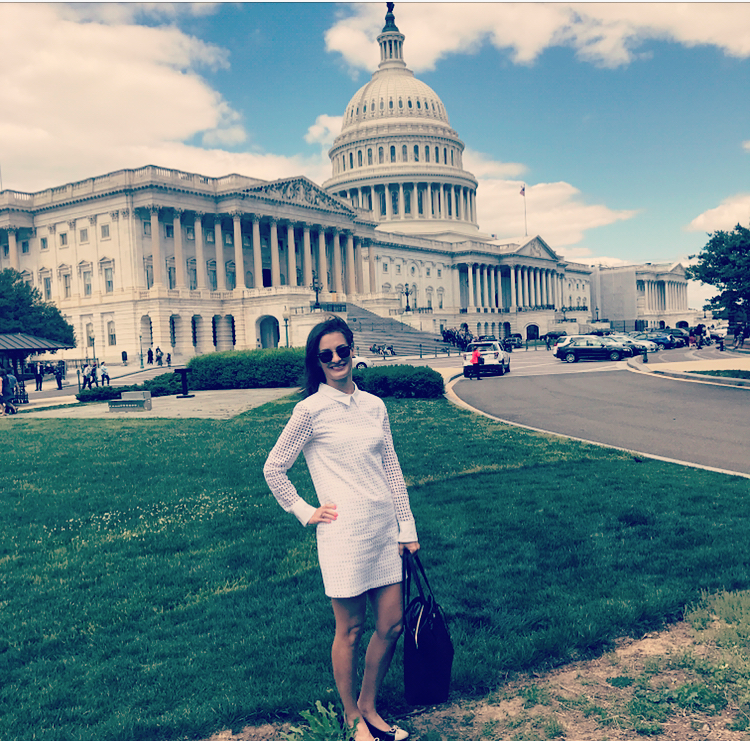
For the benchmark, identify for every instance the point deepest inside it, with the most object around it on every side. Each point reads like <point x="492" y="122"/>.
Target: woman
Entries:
<point x="364" y="521"/>
<point x="6" y="394"/>
<point x="476" y="361"/>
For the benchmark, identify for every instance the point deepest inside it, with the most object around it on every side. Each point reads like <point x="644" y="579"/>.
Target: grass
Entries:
<point x="151" y="587"/>
<point x="724" y="373"/>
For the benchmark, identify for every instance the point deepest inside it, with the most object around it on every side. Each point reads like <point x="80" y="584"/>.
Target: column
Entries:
<point x="493" y="299"/>
<point x="472" y="305"/>
<point x="513" y="301"/>
<point x="200" y="256"/>
<point x="179" y="253"/>
<point x="388" y="203"/>
<point x="239" y="260"/>
<point x="351" y="272"/>
<point x="13" y="248"/>
<point x="307" y="260"/>
<point x="156" y="256"/>
<point x="257" y="256"/>
<point x="372" y="266"/>
<point x="359" y="261"/>
<point x="291" y="277"/>
<point x="322" y="262"/>
<point x="485" y="287"/>
<point x="338" y="270"/>
<point x="275" y="264"/>
<point x="456" y="284"/>
<point x="401" y="213"/>
<point x="221" y="268"/>
<point x="430" y="201"/>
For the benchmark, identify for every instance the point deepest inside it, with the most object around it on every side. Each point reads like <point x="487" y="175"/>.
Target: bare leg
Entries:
<point x="350" y="617"/>
<point x="386" y="603"/>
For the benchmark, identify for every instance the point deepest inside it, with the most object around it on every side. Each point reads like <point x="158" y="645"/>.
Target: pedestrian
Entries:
<point x="104" y="372"/>
<point x="6" y="396"/>
<point x="363" y="521"/>
<point x="150" y="356"/>
<point x="38" y="375"/>
<point x="476" y="362"/>
<point x="159" y="356"/>
<point x="86" y="376"/>
<point x="169" y="360"/>
<point x="59" y="376"/>
<point x="94" y="378"/>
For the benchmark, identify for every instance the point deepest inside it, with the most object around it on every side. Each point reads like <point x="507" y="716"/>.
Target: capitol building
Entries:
<point x="192" y="264"/>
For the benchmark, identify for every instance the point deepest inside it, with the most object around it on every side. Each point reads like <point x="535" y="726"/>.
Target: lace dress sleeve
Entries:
<point x="406" y="525"/>
<point x="297" y="432"/>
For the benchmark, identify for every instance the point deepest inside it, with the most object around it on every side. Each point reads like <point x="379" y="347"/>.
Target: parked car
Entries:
<point x="663" y="340"/>
<point x="590" y="347"/>
<point x="496" y="359"/>
<point x="638" y="346"/>
<point x="554" y="335"/>
<point x="514" y="340"/>
<point x="359" y="362"/>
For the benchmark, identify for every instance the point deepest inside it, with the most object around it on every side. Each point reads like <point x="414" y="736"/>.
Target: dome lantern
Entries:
<point x="391" y="42"/>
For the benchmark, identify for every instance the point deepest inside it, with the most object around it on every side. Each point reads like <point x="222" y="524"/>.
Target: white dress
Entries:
<point x="347" y="443"/>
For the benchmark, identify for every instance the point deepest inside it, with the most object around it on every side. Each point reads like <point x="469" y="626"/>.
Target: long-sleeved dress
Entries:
<point x="346" y="440"/>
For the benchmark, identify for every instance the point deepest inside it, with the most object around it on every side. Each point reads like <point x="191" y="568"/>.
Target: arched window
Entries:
<point x="364" y="108"/>
<point x="445" y="156"/>
<point x="437" y="155"/>
<point x="419" y="105"/>
<point x="390" y="104"/>
<point x="369" y="156"/>
<point x="408" y="102"/>
<point x="451" y="158"/>
<point x="382" y="105"/>
<point x="393" y="153"/>
<point x="351" y="160"/>
<point x="111" y="336"/>
<point x="381" y="158"/>
<point x="404" y="153"/>
<point x="359" y="158"/>
<point x="426" y="154"/>
<point x="343" y="165"/>
<point x="416" y="152"/>
<point x="400" y="103"/>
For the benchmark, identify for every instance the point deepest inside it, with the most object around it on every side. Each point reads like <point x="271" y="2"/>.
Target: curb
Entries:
<point x="636" y="364"/>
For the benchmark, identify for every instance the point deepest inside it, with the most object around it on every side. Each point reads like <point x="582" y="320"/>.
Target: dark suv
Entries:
<point x="590" y="347"/>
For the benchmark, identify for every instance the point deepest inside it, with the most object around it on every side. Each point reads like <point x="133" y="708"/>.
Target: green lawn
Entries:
<point x="151" y="587"/>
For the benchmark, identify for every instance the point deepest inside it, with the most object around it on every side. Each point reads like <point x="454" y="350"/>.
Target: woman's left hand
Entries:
<point x="411" y="547"/>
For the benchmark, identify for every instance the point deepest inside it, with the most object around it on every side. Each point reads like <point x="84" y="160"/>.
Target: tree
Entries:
<point x="724" y="263"/>
<point x="22" y="309"/>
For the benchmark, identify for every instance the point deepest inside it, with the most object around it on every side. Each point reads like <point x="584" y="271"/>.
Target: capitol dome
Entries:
<point x="397" y="155"/>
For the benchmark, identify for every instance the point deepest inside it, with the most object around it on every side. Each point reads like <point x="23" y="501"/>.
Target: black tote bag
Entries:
<point x="428" y="650"/>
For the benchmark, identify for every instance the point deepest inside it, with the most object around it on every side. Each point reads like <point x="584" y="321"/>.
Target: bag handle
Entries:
<point x="411" y="567"/>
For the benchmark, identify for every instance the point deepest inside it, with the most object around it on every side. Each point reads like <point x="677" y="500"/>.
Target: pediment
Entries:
<point x="537" y="247"/>
<point x="299" y="191"/>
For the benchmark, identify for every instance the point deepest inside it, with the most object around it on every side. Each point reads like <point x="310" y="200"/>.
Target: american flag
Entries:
<point x="523" y="191"/>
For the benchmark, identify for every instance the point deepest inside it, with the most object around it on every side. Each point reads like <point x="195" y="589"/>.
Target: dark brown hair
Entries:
<point x="314" y="375"/>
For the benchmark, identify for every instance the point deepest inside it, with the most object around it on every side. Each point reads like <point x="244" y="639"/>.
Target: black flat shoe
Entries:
<point x="393" y="734"/>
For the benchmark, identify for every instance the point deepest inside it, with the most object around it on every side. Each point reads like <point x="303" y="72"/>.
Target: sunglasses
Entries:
<point x="343" y="351"/>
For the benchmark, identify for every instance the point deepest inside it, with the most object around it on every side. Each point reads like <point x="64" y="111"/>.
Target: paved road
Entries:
<point x="607" y="403"/>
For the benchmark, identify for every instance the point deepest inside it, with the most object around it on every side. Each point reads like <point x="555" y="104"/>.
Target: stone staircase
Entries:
<point x="370" y="328"/>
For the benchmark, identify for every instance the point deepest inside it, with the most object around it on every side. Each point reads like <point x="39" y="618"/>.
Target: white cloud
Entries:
<point x="746" y="145"/>
<point x="606" y="34"/>
<point x="732" y="211"/>
<point x="325" y="129"/>
<point x="556" y="211"/>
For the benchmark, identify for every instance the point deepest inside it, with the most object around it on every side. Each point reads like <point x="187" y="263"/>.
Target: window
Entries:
<point x="426" y="154"/>
<point x="47" y="288"/>
<point x="109" y="280"/>
<point x="86" y="282"/>
<point x="428" y="272"/>
<point x="171" y="277"/>
<point x="351" y="160"/>
<point x="192" y="275"/>
<point x="393" y="154"/>
<point x="440" y="300"/>
<point x="381" y="195"/>
<point x="210" y="236"/>
<point x="231" y="279"/>
<point x="147" y="228"/>
<point x="385" y="267"/>
<point x="404" y="153"/>
<point x="451" y="157"/>
<point x="25" y="247"/>
<point x="43" y="243"/>
<point x="380" y="155"/>
<point x="437" y="155"/>
<point x="149" y="276"/>
<point x="111" y="336"/>
<point x="84" y="235"/>
<point x="169" y="231"/>
<point x="398" y="270"/>
<point x="400" y="103"/>
<point x="407" y="200"/>
<point x="63" y="240"/>
<point x="445" y="156"/>
<point x="190" y="232"/>
<point x="228" y="239"/>
<point x="369" y="156"/>
<point x="440" y="275"/>
<point x="359" y="158"/>
<point x="416" y="152"/>
<point x="105" y="231"/>
<point x="212" y="277"/>
<point x="394" y="202"/>
<point x="66" y="285"/>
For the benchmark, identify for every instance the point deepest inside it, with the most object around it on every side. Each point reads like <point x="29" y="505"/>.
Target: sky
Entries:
<point x="629" y="124"/>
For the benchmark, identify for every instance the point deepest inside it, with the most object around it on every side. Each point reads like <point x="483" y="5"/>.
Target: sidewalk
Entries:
<point x="735" y="360"/>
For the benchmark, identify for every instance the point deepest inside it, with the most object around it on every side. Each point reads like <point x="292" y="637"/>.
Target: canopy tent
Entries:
<point x="17" y="347"/>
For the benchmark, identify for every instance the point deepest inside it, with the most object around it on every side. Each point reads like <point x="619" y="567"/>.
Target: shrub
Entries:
<point x="401" y="382"/>
<point x="102" y="393"/>
<point x="272" y="368"/>
<point x="164" y="385"/>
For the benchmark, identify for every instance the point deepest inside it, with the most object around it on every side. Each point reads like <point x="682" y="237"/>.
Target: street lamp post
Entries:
<point x="140" y="345"/>
<point x="597" y="313"/>
<point x="286" y="326"/>
<point x="316" y="286"/>
<point x="407" y="292"/>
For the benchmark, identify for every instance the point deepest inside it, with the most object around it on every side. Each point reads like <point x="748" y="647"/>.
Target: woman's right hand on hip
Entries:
<point x="324" y="515"/>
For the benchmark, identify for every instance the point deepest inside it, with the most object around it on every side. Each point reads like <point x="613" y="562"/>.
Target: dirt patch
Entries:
<point x="643" y="688"/>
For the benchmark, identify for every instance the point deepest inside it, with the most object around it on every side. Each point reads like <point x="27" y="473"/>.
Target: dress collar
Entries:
<point x="340" y="396"/>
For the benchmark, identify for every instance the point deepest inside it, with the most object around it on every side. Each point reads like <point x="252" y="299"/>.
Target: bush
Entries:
<point x="102" y="393"/>
<point x="248" y="369"/>
<point x="164" y="385"/>
<point x="401" y="382"/>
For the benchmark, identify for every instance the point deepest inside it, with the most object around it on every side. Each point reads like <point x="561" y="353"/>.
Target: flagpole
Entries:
<point x="523" y="193"/>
